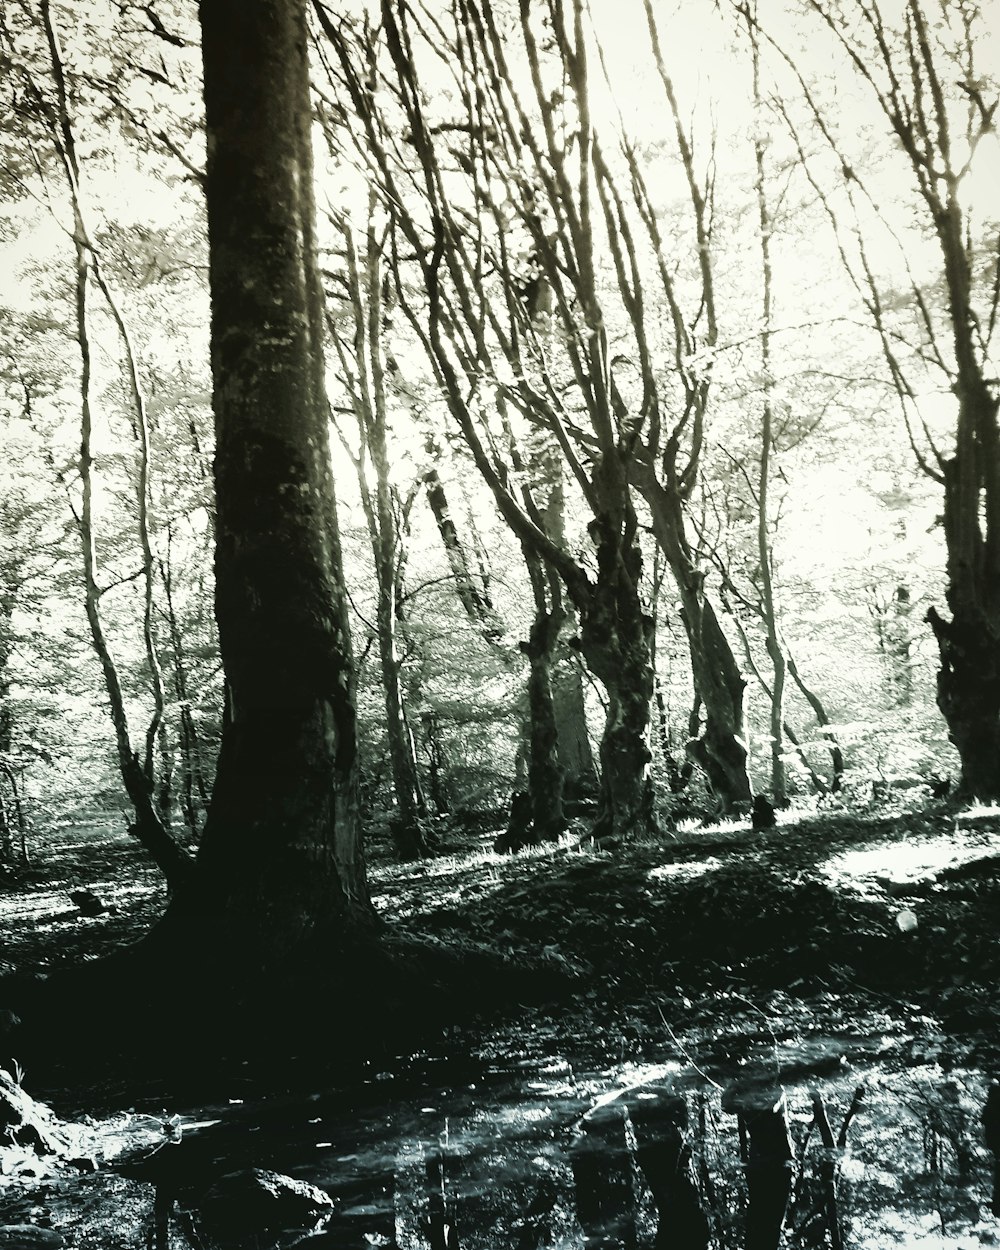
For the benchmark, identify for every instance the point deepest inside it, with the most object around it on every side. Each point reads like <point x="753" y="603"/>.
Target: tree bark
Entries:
<point x="616" y="639"/>
<point x="546" y="778"/>
<point x="968" y="683"/>
<point x="281" y="854"/>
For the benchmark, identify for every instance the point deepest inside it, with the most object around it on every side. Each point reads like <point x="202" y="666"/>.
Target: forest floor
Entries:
<point x="831" y="944"/>
<point x="887" y="912"/>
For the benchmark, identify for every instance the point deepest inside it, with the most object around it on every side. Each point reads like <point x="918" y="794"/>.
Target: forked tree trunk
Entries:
<point x="281" y="853"/>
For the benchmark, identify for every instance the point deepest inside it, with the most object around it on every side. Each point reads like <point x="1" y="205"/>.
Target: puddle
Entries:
<point x="547" y="1153"/>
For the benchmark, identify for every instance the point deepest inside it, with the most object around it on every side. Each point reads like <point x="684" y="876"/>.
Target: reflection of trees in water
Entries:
<point x="744" y="1170"/>
<point x="678" y="1162"/>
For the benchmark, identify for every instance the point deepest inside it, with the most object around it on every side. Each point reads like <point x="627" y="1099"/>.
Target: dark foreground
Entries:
<point x="727" y="1040"/>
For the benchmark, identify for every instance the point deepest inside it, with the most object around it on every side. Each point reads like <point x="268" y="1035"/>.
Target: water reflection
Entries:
<point x="542" y="1157"/>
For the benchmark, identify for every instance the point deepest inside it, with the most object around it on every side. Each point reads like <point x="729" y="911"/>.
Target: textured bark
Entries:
<point x="968" y="684"/>
<point x="968" y="694"/>
<point x="546" y="778"/>
<point x="281" y="852"/>
<point x="537" y="805"/>
<point x="616" y="639"/>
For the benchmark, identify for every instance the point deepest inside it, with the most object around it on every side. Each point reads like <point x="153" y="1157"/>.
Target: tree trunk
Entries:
<point x="472" y="595"/>
<point x="765" y="549"/>
<point x="968" y="684"/>
<point x="678" y="771"/>
<point x="968" y="694"/>
<point x="546" y="778"/>
<point x="616" y="639"/>
<point x="823" y="720"/>
<point x="281" y="854"/>
<point x="363" y="364"/>
<point x="721" y="750"/>
<point x="411" y="808"/>
<point x="547" y="471"/>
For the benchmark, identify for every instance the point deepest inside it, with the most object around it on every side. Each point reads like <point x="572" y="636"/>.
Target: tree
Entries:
<point x="471" y="335"/>
<point x="360" y="353"/>
<point x="49" y="106"/>
<point x="280" y="863"/>
<point x="563" y="232"/>
<point x="745" y="495"/>
<point x="935" y="328"/>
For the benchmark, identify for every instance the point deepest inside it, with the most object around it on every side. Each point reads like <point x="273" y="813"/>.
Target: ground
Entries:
<point x="889" y="911"/>
<point x="834" y="943"/>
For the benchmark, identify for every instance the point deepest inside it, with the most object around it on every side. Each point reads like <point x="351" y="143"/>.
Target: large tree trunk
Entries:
<point x="968" y="685"/>
<point x="281" y="853"/>
<point x="968" y="694"/>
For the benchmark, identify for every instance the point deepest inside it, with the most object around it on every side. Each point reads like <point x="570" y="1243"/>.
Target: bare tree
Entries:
<point x="936" y="333"/>
<point x="474" y="320"/>
<point x="53" y="107"/>
<point x="359" y="349"/>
